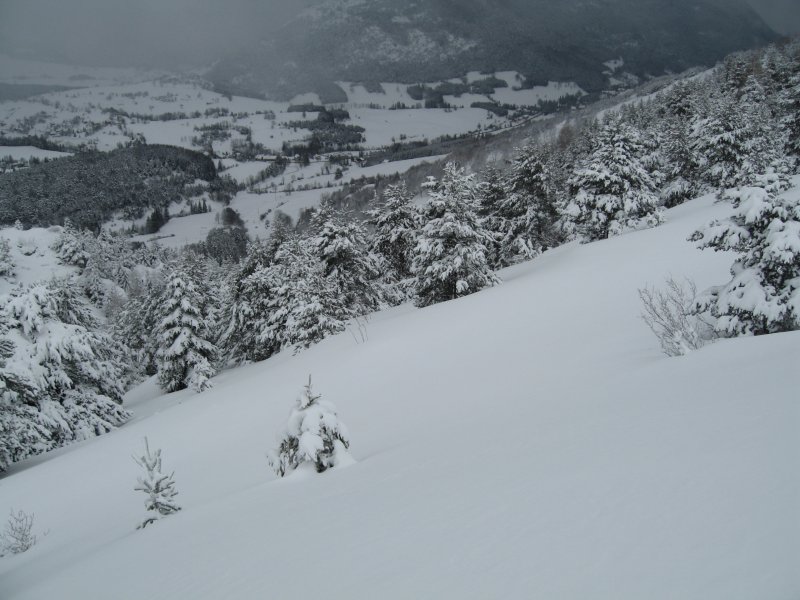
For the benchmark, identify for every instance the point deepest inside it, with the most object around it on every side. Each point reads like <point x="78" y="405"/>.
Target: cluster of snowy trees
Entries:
<point x="68" y="347"/>
<point x="61" y="376"/>
<point x="734" y="132"/>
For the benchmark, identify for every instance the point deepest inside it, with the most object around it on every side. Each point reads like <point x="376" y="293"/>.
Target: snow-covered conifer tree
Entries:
<point x="764" y="294"/>
<point x="491" y="190"/>
<point x="341" y="246"/>
<point x="791" y="102"/>
<point x="73" y="247"/>
<point x="7" y="267"/>
<point x="305" y="306"/>
<point x="313" y="435"/>
<point x="681" y="164"/>
<point x="135" y="324"/>
<point x="612" y="190"/>
<point x="185" y="352"/>
<point x="528" y="209"/>
<point x="396" y="224"/>
<point x="24" y="430"/>
<point x="733" y="141"/>
<point x="450" y="259"/>
<point x="61" y="377"/>
<point x="248" y="306"/>
<point x="157" y="485"/>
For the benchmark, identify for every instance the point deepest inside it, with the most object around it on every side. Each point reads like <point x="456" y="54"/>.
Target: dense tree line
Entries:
<point x="90" y="187"/>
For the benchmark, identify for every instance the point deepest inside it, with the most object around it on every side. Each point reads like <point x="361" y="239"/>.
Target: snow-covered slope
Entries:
<point x="528" y="441"/>
<point x="32" y="255"/>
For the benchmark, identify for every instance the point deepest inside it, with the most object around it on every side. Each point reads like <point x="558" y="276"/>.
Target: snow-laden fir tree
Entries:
<point x="528" y="208"/>
<point x="23" y="430"/>
<point x="157" y="485"/>
<point x="735" y="141"/>
<point x="396" y="222"/>
<point x="764" y="294"/>
<point x="248" y="303"/>
<point x="7" y="267"/>
<point x="248" y="306"/>
<point x="73" y="247"/>
<point x="450" y="258"/>
<point x="612" y="190"/>
<point x="491" y="191"/>
<point x="135" y="323"/>
<point x="304" y="305"/>
<point x="314" y="436"/>
<point x="680" y="161"/>
<point x="791" y="102"/>
<point x="185" y="353"/>
<point x="61" y="377"/>
<point x="341" y="246"/>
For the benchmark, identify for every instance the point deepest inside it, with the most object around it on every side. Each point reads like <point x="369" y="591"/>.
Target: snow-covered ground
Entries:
<point x="256" y="209"/>
<point x="28" y="152"/>
<point x="528" y="441"/>
<point x="32" y="256"/>
<point x="107" y="107"/>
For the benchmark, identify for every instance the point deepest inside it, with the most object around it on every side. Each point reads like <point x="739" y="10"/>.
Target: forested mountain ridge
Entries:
<point x="427" y="40"/>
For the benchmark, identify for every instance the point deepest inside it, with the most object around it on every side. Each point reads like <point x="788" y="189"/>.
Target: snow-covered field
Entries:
<point x="28" y="152"/>
<point x="108" y="107"/>
<point x="528" y="441"/>
<point x="256" y="209"/>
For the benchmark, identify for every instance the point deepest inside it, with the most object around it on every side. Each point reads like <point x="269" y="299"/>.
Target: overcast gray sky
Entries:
<point x="181" y="32"/>
<point x="140" y="32"/>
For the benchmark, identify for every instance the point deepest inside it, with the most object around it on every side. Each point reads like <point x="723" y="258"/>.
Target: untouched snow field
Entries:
<point x="528" y="441"/>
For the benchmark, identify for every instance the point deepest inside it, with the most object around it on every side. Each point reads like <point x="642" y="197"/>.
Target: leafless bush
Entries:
<point x="670" y="313"/>
<point x="18" y="535"/>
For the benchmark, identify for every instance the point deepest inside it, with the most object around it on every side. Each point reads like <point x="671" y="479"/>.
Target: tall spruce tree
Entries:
<point x="341" y="246"/>
<point x="185" y="353"/>
<point x="396" y="223"/>
<point x="528" y="208"/>
<point x="450" y="259"/>
<point x="612" y="190"/>
<point x="305" y="305"/>
<point x="7" y="266"/>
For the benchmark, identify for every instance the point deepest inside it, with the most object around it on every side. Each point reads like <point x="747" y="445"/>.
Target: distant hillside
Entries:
<point x="782" y="15"/>
<point x="427" y="40"/>
<point x="89" y="188"/>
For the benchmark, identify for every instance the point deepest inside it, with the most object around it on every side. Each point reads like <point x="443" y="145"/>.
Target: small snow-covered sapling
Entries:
<point x="159" y="487"/>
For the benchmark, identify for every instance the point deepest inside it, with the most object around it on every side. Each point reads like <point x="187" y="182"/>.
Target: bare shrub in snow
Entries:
<point x="18" y="536"/>
<point x="313" y="435"/>
<point x="159" y="487"/>
<point x="670" y="314"/>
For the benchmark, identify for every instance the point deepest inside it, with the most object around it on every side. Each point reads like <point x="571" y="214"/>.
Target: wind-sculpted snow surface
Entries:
<point x="526" y="441"/>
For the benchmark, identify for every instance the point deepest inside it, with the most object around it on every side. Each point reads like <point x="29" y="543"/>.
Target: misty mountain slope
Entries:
<point x="526" y="441"/>
<point x="429" y="40"/>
